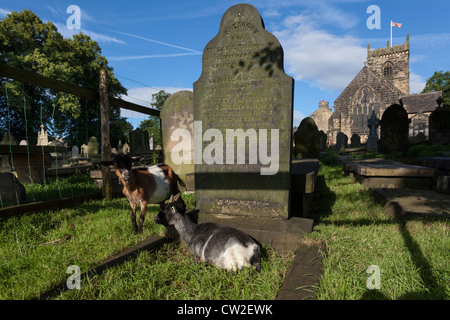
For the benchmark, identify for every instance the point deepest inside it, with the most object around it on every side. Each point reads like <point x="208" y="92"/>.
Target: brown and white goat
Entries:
<point x="154" y="184"/>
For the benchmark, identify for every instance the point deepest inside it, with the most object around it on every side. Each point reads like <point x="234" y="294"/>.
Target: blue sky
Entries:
<point x="158" y="44"/>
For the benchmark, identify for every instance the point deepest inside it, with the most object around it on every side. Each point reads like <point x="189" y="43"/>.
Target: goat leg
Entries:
<point x="133" y="216"/>
<point x="142" y="216"/>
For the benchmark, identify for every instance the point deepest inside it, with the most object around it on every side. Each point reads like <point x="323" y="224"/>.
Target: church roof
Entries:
<point x="423" y="102"/>
<point x="356" y="83"/>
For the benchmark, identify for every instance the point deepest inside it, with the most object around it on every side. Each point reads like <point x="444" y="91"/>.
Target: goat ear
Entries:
<point x="106" y="163"/>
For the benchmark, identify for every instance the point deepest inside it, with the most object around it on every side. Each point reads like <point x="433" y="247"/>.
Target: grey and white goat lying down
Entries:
<point x="222" y="246"/>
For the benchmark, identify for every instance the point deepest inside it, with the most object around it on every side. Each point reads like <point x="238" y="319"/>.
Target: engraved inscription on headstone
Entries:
<point x="243" y="120"/>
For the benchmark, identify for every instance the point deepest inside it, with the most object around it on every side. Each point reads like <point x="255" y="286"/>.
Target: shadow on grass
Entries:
<point x="324" y="198"/>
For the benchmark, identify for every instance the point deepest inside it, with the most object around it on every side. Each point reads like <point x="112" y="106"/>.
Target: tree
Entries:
<point x="28" y="43"/>
<point x="153" y="125"/>
<point x="440" y="81"/>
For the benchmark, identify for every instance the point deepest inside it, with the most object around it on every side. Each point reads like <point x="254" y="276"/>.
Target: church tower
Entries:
<point x="391" y="64"/>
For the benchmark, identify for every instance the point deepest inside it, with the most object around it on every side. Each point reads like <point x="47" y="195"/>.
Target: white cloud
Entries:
<point x="4" y="12"/>
<point x="317" y="56"/>
<point x="416" y="83"/>
<point x="298" y="117"/>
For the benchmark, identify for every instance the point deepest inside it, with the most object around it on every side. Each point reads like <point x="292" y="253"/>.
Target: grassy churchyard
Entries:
<point x="412" y="255"/>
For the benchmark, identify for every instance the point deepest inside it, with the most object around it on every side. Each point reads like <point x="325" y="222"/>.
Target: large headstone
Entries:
<point x="139" y="141"/>
<point x="177" y="123"/>
<point x="394" y="130"/>
<point x="307" y="140"/>
<point x="243" y="120"/>
<point x="439" y="126"/>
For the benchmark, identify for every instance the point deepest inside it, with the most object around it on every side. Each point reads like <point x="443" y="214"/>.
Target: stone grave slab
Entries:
<point x="243" y="105"/>
<point x="397" y="176"/>
<point x="280" y="234"/>
<point x="407" y="202"/>
<point x="350" y="163"/>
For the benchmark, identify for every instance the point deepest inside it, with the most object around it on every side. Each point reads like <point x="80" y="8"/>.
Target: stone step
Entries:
<point x="281" y="234"/>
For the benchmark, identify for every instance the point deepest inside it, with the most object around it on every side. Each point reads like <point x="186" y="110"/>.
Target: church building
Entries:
<point x="383" y="81"/>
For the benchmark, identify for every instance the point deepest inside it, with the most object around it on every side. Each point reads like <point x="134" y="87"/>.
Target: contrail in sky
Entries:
<point x="158" y="42"/>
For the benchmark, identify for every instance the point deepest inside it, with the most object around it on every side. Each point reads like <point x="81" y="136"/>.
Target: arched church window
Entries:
<point x="364" y="102"/>
<point x="388" y="70"/>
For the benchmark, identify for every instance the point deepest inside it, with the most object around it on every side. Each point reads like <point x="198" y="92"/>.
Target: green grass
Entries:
<point x="36" y="249"/>
<point x="173" y="273"/>
<point x="59" y="188"/>
<point x="412" y="255"/>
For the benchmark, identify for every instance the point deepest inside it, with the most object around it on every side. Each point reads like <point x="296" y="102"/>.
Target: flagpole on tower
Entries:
<point x="391" y="34"/>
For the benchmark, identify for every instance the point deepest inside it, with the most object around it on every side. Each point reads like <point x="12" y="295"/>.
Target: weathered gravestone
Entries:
<point x="372" y="140"/>
<point x="394" y="130"/>
<point x="177" y="122"/>
<point x="12" y="192"/>
<point x="307" y="140"/>
<point x="93" y="147"/>
<point x="243" y="120"/>
<point x="75" y="152"/>
<point x="139" y="141"/>
<point x="355" y="140"/>
<point x="84" y="151"/>
<point x="341" y="141"/>
<point x="439" y="126"/>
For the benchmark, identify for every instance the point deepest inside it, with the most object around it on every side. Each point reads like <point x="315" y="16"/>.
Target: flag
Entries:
<point x="395" y="24"/>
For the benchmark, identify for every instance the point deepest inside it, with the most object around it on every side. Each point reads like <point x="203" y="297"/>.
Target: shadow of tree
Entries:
<point x="269" y="58"/>
<point x="323" y="200"/>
